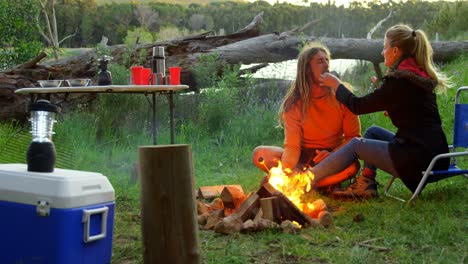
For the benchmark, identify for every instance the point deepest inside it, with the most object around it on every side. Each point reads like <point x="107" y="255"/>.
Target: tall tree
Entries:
<point x="50" y="21"/>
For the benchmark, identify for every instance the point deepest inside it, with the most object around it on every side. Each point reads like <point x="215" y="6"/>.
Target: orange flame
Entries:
<point x="294" y="185"/>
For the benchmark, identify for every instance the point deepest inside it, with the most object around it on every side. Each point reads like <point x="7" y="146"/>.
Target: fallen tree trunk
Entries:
<point x="246" y="46"/>
<point x="281" y="47"/>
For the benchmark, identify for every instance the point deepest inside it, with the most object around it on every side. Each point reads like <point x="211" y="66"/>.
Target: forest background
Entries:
<point x="84" y="22"/>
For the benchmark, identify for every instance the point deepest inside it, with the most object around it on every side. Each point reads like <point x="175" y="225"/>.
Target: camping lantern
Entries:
<point x="41" y="151"/>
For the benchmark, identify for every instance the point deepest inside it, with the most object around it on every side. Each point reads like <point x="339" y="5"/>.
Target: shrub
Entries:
<point x="205" y="70"/>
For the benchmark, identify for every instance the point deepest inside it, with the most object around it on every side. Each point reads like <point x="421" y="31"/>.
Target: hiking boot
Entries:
<point x="328" y="190"/>
<point x="363" y="188"/>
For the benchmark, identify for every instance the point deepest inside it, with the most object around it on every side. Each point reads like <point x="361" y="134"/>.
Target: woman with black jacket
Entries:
<point x="407" y="94"/>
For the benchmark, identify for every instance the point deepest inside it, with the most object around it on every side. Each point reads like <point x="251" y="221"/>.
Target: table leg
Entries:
<point x="155" y="132"/>
<point x="171" y="111"/>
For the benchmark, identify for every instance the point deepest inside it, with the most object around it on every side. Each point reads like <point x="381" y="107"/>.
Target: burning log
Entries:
<point x="288" y="210"/>
<point x="266" y="190"/>
<point x="319" y="206"/>
<point x="264" y="209"/>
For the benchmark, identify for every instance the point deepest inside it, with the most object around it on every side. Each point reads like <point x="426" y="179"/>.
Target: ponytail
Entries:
<point x="414" y="43"/>
<point x="423" y="54"/>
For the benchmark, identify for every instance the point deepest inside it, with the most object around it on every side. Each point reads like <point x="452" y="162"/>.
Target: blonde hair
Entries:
<point x="300" y="88"/>
<point x="414" y="43"/>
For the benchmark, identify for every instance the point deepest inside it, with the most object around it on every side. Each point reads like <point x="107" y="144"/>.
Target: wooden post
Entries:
<point x="168" y="210"/>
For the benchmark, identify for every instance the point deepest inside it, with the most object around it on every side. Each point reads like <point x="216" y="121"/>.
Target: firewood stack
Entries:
<point x="233" y="211"/>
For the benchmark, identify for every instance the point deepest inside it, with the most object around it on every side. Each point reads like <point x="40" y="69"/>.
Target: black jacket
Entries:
<point x="411" y="104"/>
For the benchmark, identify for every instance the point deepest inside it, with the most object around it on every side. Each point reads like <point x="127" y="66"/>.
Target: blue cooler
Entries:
<point x="62" y="217"/>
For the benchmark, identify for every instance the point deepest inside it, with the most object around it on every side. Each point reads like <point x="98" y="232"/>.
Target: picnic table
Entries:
<point x="152" y="90"/>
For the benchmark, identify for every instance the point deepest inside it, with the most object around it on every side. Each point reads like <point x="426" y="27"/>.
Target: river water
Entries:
<point x="286" y="70"/>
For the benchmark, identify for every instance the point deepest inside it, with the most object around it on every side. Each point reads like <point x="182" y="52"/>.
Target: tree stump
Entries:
<point x="168" y="210"/>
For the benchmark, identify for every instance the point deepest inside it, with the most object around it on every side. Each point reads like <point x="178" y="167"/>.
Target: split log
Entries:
<point x="325" y="218"/>
<point x="258" y="225"/>
<point x="270" y="208"/>
<point x="259" y="215"/>
<point x="262" y="224"/>
<point x="216" y="204"/>
<point x="229" y="225"/>
<point x="232" y="197"/>
<point x="202" y="208"/>
<point x="202" y="219"/>
<point x="209" y="192"/>
<point x="249" y="207"/>
<point x="214" y="218"/>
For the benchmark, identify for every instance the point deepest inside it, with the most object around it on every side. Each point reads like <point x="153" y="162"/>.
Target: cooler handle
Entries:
<point x="87" y="220"/>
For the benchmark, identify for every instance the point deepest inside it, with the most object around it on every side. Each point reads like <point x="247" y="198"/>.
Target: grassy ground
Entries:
<point x="104" y="137"/>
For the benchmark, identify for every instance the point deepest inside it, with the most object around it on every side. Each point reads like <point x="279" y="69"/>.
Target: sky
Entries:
<point x="337" y="2"/>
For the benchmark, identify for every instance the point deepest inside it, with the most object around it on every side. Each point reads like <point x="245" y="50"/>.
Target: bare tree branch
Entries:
<point x="46" y="17"/>
<point x="379" y="24"/>
<point x="67" y="37"/>
<point x="41" y="32"/>
<point x="54" y="21"/>
<point x="306" y="26"/>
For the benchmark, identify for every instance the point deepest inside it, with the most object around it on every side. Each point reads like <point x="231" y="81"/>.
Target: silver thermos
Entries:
<point x="158" y="65"/>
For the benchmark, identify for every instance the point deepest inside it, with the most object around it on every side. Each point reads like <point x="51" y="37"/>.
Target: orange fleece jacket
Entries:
<point x="328" y="124"/>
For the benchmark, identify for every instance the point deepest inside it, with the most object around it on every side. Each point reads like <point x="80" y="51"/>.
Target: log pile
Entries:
<point x="231" y="211"/>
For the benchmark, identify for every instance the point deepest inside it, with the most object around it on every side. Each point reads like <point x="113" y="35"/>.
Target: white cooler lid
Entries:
<point x="61" y="188"/>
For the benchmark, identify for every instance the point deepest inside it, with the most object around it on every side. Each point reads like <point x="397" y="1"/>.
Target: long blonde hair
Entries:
<point x="414" y="43"/>
<point x="300" y="88"/>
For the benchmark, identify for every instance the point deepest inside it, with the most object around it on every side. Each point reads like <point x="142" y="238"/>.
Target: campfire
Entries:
<point x="282" y="201"/>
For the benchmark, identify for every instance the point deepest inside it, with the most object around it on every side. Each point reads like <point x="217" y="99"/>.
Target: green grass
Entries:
<point x="105" y="139"/>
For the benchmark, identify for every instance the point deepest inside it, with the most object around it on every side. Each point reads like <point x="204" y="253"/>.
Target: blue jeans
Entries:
<point x="372" y="149"/>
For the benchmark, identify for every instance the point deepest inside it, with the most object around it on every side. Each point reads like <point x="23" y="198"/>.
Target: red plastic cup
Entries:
<point x="136" y="74"/>
<point x="174" y="72"/>
<point x="145" y="76"/>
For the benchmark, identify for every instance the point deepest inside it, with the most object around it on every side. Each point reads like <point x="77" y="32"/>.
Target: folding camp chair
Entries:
<point x="460" y="140"/>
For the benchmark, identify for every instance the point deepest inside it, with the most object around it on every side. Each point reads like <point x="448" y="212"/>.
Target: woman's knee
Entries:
<point x="262" y="155"/>
<point x="356" y="141"/>
<point x="346" y="174"/>
<point x="371" y="132"/>
<point x="257" y="154"/>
